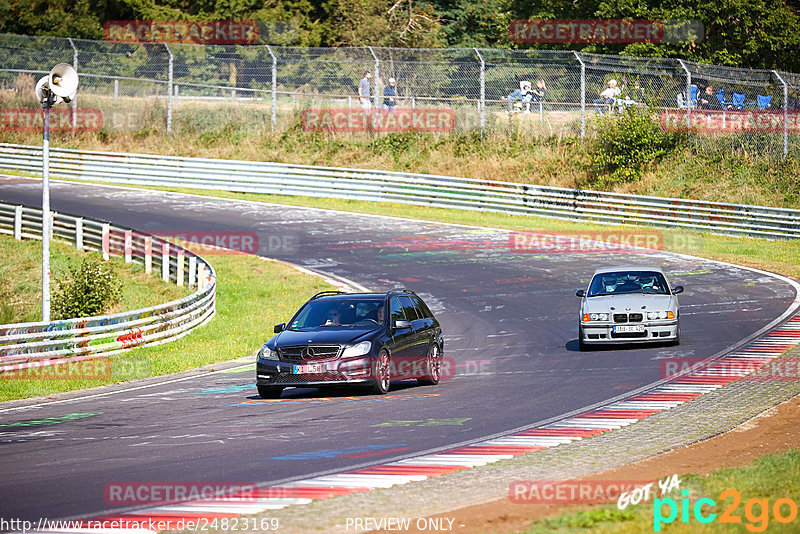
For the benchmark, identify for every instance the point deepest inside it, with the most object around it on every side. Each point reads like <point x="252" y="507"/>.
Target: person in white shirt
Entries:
<point x="607" y="97"/>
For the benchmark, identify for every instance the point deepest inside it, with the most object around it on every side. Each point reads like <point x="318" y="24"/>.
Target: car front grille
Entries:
<point x="628" y="318"/>
<point x="308" y="353"/>
<point x="304" y="379"/>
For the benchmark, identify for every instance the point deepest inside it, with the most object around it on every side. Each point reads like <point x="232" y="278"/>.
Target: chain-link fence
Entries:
<point x="190" y="88"/>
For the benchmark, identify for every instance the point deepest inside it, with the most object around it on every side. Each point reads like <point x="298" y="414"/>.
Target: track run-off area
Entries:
<point x="510" y="326"/>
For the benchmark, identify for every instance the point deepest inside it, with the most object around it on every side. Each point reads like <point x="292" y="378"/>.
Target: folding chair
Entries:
<point x="738" y="100"/>
<point x="722" y="102"/>
<point x="693" y="96"/>
<point x="763" y="101"/>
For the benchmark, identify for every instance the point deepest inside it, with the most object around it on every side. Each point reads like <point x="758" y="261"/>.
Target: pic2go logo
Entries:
<point x="756" y="511"/>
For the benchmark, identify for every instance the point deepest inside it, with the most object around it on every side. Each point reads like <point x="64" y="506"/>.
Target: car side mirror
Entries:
<point x="580" y="293"/>
<point x="677" y="289"/>
<point x="278" y="328"/>
<point x="402" y="323"/>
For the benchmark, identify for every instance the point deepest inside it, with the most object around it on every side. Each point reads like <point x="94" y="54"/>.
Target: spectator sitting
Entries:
<point x="540" y="92"/>
<point x="607" y="97"/>
<point x="523" y="94"/>
<point x="708" y="99"/>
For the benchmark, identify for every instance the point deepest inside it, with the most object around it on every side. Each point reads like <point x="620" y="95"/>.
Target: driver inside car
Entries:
<point x="332" y="317"/>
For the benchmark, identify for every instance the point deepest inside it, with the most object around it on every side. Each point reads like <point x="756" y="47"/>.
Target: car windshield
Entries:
<point x="340" y="313"/>
<point x="616" y="283"/>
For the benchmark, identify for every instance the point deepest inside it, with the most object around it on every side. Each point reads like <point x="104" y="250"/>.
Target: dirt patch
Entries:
<point x="773" y="431"/>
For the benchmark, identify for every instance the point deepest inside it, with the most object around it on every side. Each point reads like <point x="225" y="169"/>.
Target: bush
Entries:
<point x="625" y="143"/>
<point x="90" y="289"/>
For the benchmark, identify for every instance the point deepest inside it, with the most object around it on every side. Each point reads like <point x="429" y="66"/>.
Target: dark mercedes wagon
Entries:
<point x="365" y="339"/>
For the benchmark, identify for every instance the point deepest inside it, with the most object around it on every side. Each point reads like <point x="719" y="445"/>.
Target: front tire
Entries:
<point x="382" y="374"/>
<point x="434" y="367"/>
<point x="269" y="392"/>
<point x="582" y="345"/>
<point x="677" y="340"/>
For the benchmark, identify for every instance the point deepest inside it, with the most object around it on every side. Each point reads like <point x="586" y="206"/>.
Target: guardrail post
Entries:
<point x="18" y="223"/>
<point x="128" y="239"/>
<point x="785" y="114"/>
<point x="192" y="270"/>
<point x="179" y="273"/>
<point x="169" y="90"/>
<point x="583" y="93"/>
<point x="201" y="276"/>
<point x="148" y="254"/>
<point x="482" y="104"/>
<point x="106" y="245"/>
<point x="165" y="261"/>
<point x="274" y="87"/>
<point x="75" y="66"/>
<point x="79" y="234"/>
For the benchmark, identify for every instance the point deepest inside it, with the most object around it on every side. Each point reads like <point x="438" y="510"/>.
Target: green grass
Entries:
<point x="769" y="477"/>
<point x="252" y="295"/>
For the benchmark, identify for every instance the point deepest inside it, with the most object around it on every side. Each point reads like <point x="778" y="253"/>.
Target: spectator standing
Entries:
<point x="390" y="96"/>
<point x="363" y="92"/>
<point x="540" y="92"/>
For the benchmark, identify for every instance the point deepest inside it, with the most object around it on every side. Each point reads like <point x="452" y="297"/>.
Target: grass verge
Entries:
<point x="252" y="295"/>
<point x="759" y="487"/>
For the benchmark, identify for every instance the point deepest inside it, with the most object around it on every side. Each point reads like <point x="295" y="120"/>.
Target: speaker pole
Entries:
<point x="47" y="102"/>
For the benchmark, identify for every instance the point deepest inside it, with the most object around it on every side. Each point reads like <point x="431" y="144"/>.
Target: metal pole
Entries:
<point x="785" y="114"/>
<point x="274" y="87"/>
<point x="169" y="90"/>
<point x="583" y="94"/>
<point x="116" y="89"/>
<point x="688" y="96"/>
<point x="75" y="66"/>
<point x="482" y="105"/>
<point x="377" y="73"/>
<point x="46" y="104"/>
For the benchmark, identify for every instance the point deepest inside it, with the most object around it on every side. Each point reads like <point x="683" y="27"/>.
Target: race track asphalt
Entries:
<point x="510" y="325"/>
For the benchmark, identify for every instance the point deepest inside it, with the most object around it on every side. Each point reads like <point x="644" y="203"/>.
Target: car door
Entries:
<point x="419" y="330"/>
<point x="401" y="344"/>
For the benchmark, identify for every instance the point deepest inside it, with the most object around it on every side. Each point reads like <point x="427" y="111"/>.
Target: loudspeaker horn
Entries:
<point x="63" y="81"/>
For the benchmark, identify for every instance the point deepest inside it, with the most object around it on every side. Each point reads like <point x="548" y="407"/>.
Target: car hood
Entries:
<point x="322" y="336"/>
<point x="634" y="301"/>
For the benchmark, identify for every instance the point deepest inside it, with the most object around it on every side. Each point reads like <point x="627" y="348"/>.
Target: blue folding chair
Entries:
<point x="738" y="100"/>
<point x="693" y="96"/>
<point x="763" y="101"/>
<point x="722" y="102"/>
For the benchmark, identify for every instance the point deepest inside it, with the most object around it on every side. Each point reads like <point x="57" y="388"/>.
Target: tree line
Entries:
<point x="743" y="33"/>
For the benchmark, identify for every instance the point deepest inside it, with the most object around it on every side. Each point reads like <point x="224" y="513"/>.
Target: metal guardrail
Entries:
<point x="26" y="345"/>
<point x="409" y="188"/>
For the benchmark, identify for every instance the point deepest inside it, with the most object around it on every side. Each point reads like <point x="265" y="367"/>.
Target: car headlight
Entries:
<point x="359" y="349"/>
<point x="266" y="354"/>
<point x="655" y="315"/>
<point x="595" y="317"/>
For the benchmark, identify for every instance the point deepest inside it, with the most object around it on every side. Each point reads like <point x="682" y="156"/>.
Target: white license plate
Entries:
<point x="308" y="369"/>
<point x="628" y="328"/>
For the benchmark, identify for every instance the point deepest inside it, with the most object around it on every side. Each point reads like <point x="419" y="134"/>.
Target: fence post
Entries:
<point x="148" y="254"/>
<point x="192" y="270"/>
<point x="583" y="94"/>
<point x="377" y="74"/>
<point x="116" y="89"/>
<point x="274" y="87"/>
<point x="180" y="269"/>
<point x="688" y="99"/>
<point x="169" y="90"/>
<point x="79" y="234"/>
<point x="785" y="114"/>
<point x="482" y="105"/>
<point x="18" y="223"/>
<point x="128" y="246"/>
<point x="165" y="261"/>
<point x="74" y="66"/>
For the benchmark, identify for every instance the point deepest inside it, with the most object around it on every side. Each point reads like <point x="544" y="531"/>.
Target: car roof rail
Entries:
<point x="323" y="293"/>
<point x="399" y="290"/>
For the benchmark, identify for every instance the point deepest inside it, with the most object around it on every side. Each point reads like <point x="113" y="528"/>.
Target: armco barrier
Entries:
<point x="408" y="188"/>
<point x="26" y="345"/>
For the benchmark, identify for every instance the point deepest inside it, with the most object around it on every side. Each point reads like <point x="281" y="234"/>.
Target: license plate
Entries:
<point x="308" y="369"/>
<point x="628" y="328"/>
